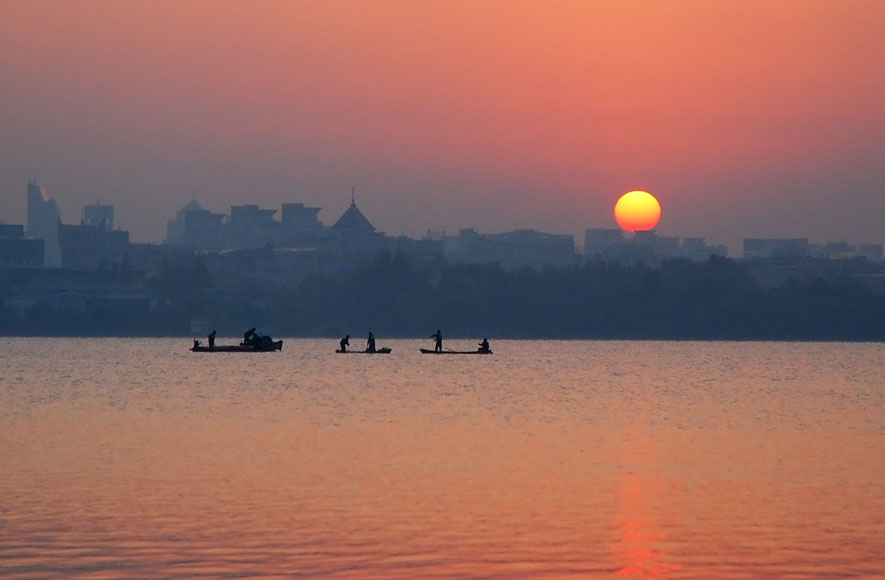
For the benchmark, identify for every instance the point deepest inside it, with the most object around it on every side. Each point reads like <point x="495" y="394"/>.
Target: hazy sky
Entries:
<point x="744" y="118"/>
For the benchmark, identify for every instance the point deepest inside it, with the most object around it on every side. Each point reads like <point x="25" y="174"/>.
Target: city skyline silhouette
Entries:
<point x="744" y="120"/>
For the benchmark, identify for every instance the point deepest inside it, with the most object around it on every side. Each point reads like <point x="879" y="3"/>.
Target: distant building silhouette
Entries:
<point x="176" y="229"/>
<point x="870" y="251"/>
<point x="98" y="215"/>
<point x="251" y="240"/>
<point x="93" y="243"/>
<point x="842" y="250"/>
<point x="516" y="249"/>
<point x="353" y="223"/>
<point x="92" y="246"/>
<point x="205" y="230"/>
<point x="600" y="242"/>
<point x="43" y="221"/>
<point x="646" y="246"/>
<point x="768" y="247"/>
<point x="301" y="222"/>
<point x="198" y="228"/>
<point x="244" y="264"/>
<point x="252" y="227"/>
<point x="761" y="248"/>
<point x="17" y="251"/>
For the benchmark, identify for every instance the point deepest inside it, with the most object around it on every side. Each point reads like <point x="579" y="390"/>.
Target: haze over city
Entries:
<point x="745" y="119"/>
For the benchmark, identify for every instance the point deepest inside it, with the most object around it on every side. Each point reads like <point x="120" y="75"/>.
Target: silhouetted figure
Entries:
<point x="196" y="343"/>
<point x="250" y="336"/>
<point x="484" y="345"/>
<point x="344" y="343"/>
<point x="438" y="338"/>
<point x="370" y="343"/>
<point x="212" y="339"/>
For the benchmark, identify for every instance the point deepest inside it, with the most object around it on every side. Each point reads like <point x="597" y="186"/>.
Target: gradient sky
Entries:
<point x="744" y="118"/>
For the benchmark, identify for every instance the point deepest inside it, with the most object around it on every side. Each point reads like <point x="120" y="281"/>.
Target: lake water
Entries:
<point x="585" y="459"/>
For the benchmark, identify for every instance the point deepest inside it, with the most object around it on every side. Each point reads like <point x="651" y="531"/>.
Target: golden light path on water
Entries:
<point x="138" y="459"/>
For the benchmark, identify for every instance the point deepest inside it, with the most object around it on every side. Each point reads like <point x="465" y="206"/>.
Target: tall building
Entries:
<point x="98" y="215"/>
<point x="197" y="227"/>
<point x="176" y="229"/>
<point x="43" y="221"/>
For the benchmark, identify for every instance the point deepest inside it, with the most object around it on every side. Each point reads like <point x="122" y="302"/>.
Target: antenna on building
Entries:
<point x="353" y="195"/>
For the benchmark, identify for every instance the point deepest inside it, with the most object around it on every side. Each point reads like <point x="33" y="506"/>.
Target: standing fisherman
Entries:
<point x="438" y="338"/>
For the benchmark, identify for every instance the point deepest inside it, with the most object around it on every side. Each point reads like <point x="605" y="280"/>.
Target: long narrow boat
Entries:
<point x="264" y="347"/>
<point x="382" y="350"/>
<point x="431" y="351"/>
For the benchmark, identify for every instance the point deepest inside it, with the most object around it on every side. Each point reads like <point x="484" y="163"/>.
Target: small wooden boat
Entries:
<point x="268" y="346"/>
<point x="431" y="351"/>
<point x="382" y="350"/>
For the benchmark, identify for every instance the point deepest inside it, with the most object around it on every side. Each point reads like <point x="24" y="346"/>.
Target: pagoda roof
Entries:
<point x="353" y="220"/>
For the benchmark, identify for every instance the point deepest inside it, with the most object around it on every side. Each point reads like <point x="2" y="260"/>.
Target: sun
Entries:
<point x="637" y="211"/>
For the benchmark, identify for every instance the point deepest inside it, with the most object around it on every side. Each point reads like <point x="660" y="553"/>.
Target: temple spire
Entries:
<point x="353" y="219"/>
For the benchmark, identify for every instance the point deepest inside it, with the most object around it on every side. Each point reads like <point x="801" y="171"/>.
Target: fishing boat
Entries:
<point x="383" y="350"/>
<point x="431" y="351"/>
<point x="260" y="345"/>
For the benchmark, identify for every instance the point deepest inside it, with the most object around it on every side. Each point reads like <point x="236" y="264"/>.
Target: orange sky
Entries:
<point x="744" y="118"/>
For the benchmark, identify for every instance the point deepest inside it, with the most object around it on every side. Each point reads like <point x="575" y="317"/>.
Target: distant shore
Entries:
<point x="397" y="298"/>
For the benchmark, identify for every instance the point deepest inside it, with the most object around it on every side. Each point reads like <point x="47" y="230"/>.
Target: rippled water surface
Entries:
<point x="139" y="459"/>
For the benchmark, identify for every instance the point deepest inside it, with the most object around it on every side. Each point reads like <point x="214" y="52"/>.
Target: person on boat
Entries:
<point x="250" y="336"/>
<point x="212" y="339"/>
<point x="438" y="338"/>
<point x="484" y="345"/>
<point x="370" y="343"/>
<point x="196" y="343"/>
<point x="344" y="343"/>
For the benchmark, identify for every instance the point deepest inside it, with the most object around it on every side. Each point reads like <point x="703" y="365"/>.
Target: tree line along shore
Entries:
<point x="395" y="296"/>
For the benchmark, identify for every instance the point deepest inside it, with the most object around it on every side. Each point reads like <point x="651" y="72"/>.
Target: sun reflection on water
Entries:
<point x="537" y="464"/>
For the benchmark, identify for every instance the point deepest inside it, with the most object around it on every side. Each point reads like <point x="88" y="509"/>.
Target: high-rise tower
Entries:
<point x="43" y="221"/>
